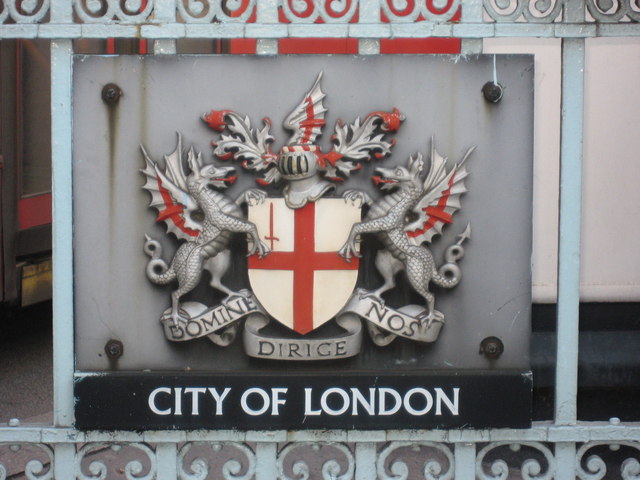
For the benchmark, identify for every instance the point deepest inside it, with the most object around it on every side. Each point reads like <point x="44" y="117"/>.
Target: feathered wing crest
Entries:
<point x="307" y="119"/>
<point x="442" y="190"/>
<point x="250" y="146"/>
<point x="169" y="193"/>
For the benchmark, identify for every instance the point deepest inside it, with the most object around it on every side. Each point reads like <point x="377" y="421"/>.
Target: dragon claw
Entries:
<point x="427" y="319"/>
<point x="374" y="294"/>
<point x="177" y="317"/>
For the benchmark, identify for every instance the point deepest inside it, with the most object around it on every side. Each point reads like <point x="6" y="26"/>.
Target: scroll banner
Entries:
<point x="407" y="322"/>
<point x="343" y="346"/>
<point x="204" y="321"/>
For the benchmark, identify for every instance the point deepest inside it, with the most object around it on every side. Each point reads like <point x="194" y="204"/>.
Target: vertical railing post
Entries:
<point x="266" y="454"/>
<point x="64" y="465"/>
<point x="61" y="154"/>
<point x="573" y="60"/>
<point x="164" y="12"/>
<point x="471" y="13"/>
<point x="267" y="13"/>
<point x="569" y="231"/>
<point x="166" y="454"/>
<point x="465" y="460"/>
<point x="365" y="454"/>
<point x="61" y="12"/>
<point x="369" y="13"/>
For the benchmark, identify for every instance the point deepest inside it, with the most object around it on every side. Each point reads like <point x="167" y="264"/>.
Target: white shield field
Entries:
<point x="303" y="282"/>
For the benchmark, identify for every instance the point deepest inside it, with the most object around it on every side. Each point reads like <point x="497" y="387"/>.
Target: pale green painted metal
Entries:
<point x="61" y="147"/>
<point x="569" y="230"/>
<point x="565" y="433"/>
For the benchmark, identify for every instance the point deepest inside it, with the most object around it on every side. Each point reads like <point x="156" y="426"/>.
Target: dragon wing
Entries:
<point x="442" y="190"/>
<point x="169" y="195"/>
<point x="307" y="119"/>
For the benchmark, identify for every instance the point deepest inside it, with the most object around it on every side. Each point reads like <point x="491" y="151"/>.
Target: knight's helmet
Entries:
<point x="298" y="159"/>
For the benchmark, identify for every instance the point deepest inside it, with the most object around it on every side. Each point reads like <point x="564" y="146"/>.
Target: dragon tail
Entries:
<point x="449" y="274"/>
<point x="157" y="269"/>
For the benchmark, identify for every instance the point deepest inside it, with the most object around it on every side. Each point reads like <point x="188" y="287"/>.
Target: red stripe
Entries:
<point x="34" y="211"/>
<point x="317" y="45"/>
<point x="420" y="45"/>
<point x="304" y="261"/>
<point x="243" y="45"/>
<point x="303" y="275"/>
<point x="143" y="47"/>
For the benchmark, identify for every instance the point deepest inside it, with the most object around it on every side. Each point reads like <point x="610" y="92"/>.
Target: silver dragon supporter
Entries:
<point x="410" y="215"/>
<point x="179" y="198"/>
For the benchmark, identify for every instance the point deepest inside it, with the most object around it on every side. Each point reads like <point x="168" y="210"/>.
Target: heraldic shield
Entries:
<point x="303" y="282"/>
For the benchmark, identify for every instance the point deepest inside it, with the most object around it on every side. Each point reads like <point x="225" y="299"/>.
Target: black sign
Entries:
<point x="346" y="401"/>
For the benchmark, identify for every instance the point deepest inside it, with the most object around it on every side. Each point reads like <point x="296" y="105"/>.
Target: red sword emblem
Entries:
<point x="271" y="237"/>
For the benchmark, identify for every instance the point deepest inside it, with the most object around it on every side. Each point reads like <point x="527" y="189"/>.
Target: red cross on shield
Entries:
<point x="303" y="282"/>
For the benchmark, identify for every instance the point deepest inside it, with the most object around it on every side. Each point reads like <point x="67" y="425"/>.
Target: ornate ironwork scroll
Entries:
<point x="206" y="11"/>
<point x="95" y="461"/>
<point x="309" y="11"/>
<point x="611" y="11"/>
<point x="595" y="459"/>
<point x="24" y="11"/>
<point x="404" y="11"/>
<point x="539" y="462"/>
<point x="13" y="461"/>
<point x="536" y="11"/>
<point x="196" y="460"/>
<point x="392" y="464"/>
<point x="127" y="11"/>
<point x="336" y="460"/>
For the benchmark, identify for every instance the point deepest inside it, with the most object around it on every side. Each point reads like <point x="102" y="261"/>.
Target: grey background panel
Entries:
<point x="440" y="96"/>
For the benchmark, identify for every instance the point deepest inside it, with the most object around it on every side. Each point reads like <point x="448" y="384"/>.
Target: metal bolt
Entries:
<point x="114" y="349"/>
<point x="111" y="93"/>
<point x="492" y="92"/>
<point x="491" y="347"/>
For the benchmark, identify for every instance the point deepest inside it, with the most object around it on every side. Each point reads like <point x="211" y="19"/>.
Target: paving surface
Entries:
<point x="26" y="365"/>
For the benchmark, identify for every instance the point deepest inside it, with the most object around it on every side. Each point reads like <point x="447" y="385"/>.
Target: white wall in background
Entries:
<point x="611" y="171"/>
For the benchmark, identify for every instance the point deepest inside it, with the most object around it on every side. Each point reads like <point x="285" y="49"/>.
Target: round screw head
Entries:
<point x="114" y="349"/>
<point x="111" y="93"/>
<point x="492" y="92"/>
<point x="491" y="347"/>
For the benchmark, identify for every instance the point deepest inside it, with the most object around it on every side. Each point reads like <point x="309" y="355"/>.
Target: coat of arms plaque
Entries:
<point x="336" y="245"/>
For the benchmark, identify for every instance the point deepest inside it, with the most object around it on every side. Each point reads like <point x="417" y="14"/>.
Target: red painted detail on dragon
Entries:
<point x="437" y="213"/>
<point x="173" y="211"/>
<point x="310" y="122"/>
<point x="378" y="180"/>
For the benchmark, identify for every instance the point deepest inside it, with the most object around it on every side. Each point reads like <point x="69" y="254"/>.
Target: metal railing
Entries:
<point x="563" y="449"/>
